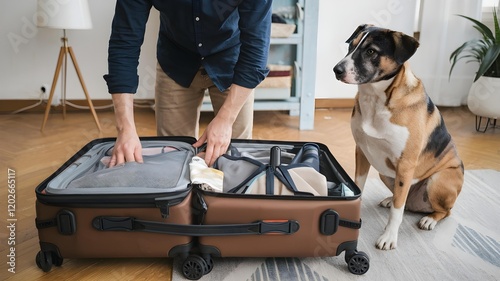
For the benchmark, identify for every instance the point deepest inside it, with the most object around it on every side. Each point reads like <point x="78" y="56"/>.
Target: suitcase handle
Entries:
<point x="258" y="227"/>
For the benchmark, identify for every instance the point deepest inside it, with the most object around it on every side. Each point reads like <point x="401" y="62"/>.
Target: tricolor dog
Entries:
<point x="398" y="130"/>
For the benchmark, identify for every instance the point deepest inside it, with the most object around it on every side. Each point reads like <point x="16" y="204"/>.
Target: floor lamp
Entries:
<point x="73" y="14"/>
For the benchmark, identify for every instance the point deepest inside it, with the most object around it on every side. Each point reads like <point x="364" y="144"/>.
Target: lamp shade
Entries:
<point x="64" y="14"/>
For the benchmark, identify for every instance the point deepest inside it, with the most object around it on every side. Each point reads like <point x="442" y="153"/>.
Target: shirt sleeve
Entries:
<point x="127" y="36"/>
<point x="255" y="28"/>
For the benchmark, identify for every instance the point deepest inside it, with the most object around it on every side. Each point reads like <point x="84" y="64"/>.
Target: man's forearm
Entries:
<point x="235" y="100"/>
<point x="124" y="111"/>
<point x="127" y="147"/>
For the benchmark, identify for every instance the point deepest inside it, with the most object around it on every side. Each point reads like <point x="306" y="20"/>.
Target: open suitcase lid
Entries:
<point x="165" y="169"/>
<point x="82" y="179"/>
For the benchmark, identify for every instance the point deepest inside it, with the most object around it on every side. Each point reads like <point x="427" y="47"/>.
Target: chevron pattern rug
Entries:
<point x="464" y="246"/>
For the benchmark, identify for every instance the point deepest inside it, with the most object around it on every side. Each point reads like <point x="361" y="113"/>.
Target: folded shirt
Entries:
<point x="209" y="179"/>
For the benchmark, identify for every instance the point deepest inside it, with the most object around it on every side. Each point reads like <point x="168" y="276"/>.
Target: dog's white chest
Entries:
<point x="375" y="134"/>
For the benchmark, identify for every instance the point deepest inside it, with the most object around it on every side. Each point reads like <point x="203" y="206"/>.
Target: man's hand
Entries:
<point x="218" y="137"/>
<point x="219" y="131"/>
<point x="127" y="147"/>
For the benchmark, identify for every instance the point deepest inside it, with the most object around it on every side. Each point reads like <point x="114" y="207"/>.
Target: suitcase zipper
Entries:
<point x="116" y="200"/>
<point x="164" y="203"/>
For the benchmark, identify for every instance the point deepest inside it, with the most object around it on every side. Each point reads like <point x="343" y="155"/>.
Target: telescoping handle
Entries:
<point x="255" y="228"/>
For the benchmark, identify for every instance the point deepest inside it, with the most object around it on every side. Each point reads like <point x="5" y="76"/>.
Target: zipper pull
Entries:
<point x="164" y="208"/>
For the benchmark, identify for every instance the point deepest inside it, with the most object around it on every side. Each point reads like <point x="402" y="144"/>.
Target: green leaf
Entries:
<point x="497" y="27"/>
<point x="488" y="60"/>
<point x="486" y="50"/>
<point x="483" y="29"/>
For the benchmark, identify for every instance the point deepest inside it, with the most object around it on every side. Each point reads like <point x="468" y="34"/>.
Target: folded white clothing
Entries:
<point x="209" y="179"/>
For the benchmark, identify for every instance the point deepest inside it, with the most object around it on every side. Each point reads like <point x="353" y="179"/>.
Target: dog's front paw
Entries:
<point x="387" y="202"/>
<point x="388" y="241"/>
<point x="427" y="223"/>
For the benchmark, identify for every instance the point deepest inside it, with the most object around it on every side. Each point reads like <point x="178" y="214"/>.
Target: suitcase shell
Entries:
<point x="64" y="220"/>
<point x="197" y="224"/>
<point x="308" y="241"/>
<point x="88" y="242"/>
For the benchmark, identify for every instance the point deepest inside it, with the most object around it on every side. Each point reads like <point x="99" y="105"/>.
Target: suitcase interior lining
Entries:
<point x="169" y="172"/>
<point x="160" y="172"/>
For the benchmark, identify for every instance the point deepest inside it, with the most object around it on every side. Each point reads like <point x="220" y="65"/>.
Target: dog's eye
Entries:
<point x="370" y="52"/>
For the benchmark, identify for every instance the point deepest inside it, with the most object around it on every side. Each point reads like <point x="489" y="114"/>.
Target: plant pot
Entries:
<point x="484" y="97"/>
<point x="484" y="100"/>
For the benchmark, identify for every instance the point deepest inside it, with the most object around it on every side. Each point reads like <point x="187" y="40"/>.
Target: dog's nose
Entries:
<point x="339" y="70"/>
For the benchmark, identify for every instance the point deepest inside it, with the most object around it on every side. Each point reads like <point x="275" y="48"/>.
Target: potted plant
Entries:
<point x="484" y="95"/>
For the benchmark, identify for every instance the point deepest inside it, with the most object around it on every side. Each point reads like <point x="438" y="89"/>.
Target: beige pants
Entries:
<point x="177" y="108"/>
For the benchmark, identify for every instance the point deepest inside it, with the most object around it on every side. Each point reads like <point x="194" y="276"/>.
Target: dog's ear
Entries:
<point x="357" y="31"/>
<point x="406" y="46"/>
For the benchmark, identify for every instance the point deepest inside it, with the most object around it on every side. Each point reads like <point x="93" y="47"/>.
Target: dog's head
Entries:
<point x="374" y="54"/>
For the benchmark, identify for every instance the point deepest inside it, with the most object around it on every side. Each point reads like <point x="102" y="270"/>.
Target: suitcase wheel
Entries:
<point x="357" y="262"/>
<point x="45" y="260"/>
<point x="56" y="259"/>
<point x="210" y="263"/>
<point x="194" y="267"/>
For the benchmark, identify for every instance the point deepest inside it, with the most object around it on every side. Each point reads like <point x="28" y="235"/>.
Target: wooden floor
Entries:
<point x="34" y="156"/>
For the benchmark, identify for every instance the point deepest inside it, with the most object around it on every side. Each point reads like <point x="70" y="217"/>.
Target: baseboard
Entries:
<point x="10" y="106"/>
<point x="334" y="103"/>
<point x="34" y="106"/>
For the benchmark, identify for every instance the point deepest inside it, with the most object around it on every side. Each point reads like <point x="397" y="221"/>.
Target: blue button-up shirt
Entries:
<point x="229" y="38"/>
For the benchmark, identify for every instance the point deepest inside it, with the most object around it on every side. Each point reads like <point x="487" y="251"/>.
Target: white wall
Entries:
<point x="442" y="31"/>
<point x="28" y="54"/>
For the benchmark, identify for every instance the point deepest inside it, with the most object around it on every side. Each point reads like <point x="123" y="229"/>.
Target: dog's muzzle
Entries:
<point x="339" y="70"/>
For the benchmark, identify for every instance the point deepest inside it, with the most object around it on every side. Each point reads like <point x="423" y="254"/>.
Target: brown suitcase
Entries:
<point x="86" y="211"/>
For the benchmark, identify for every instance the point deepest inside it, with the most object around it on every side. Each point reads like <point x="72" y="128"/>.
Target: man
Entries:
<point x="219" y="45"/>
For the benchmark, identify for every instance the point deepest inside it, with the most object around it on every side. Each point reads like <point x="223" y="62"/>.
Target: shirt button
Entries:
<point x="197" y="19"/>
<point x="202" y="58"/>
<point x="199" y="45"/>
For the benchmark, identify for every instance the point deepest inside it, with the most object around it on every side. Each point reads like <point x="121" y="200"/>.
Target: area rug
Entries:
<point x="464" y="246"/>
